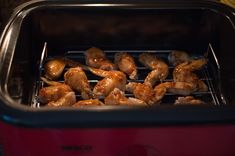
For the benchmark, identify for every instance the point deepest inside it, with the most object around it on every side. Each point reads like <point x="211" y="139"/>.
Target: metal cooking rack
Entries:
<point x="209" y="97"/>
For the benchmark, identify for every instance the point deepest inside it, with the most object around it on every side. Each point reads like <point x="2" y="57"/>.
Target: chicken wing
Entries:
<point x="184" y="73"/>
<point x="143" y="92"/>
<point x="55" y="67"/>
<point x="53" y="93"/>
<point x="77" y="80"/>
<point x="67" y="100"/>
<point x="179" y="88"/>
<point x="177" y="57"/>
<point x="186" y="68"/>
<point x="188" y="100"/>
<point x="126" y="64"/>
<point x="90" y="102"/>
<point x="159" y="68"/>
<point x="112" y="79"/>
<point x="96" y="58"/>
<point x="117" y="97"/>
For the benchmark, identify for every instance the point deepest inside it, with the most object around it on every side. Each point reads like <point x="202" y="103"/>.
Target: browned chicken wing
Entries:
<point x="142" y="91"/>
<point x="96" y="58"/>
<point x="53" y="93"/>
<point x="177" y="57"/>
<point x="56" y="95"/>
<point x="90" y="102"/>
<point x="188" y="100"/>
<point x="159" y="68"/>
<point x="112" y="79"/>
<point x="185" y="81"/>
<point x="179" y="88"/>
<point x="55" y="67"/>
<point x="117" y="97"/>
<point x="67" y="100"/>
<point x="184" y="73"/>
<point x="77" y="80"/>
<point x="126" y="64"/>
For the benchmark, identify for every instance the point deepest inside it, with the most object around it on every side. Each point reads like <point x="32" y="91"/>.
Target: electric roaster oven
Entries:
<point x="110" y="78"/>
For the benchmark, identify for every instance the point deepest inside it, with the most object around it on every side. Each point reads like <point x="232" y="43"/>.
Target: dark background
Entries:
<point x="6" y="9"/>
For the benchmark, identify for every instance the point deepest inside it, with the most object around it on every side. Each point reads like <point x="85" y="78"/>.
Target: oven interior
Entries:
<point x="70" y="32"/>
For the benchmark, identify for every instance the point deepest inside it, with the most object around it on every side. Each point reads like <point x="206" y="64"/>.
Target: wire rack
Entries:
<point x="212" y="96"/>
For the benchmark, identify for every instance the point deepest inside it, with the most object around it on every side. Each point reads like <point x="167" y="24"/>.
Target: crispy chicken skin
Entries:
<point x="96" y="58"/>
<point x="117" y="97"/>
<point x="186" y="68"/>
<point x="67" y="100"/>
<point x="126" y="64"/>
<point x="143" y="92"/>
<point x="177" y="57"/>
<point x="178" y="88"/>
<point x="90" y="102"/>
<point x="159" y="68"/>
<point x="54" y="68"/>
<point x="188" y="100"/>
<point x="77" y="80"/>
<point x="53" y="93"/>
<point x="153" y="77"/>
<point x="112" y="79"/>
<point x="184" y="73"/>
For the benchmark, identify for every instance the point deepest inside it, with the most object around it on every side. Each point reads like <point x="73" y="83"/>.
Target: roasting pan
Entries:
<point x="40" y="30"/>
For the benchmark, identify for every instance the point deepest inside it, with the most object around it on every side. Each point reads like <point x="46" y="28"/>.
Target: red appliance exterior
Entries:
<point x="163" y="131"/>
<point x="191" y="140"/>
